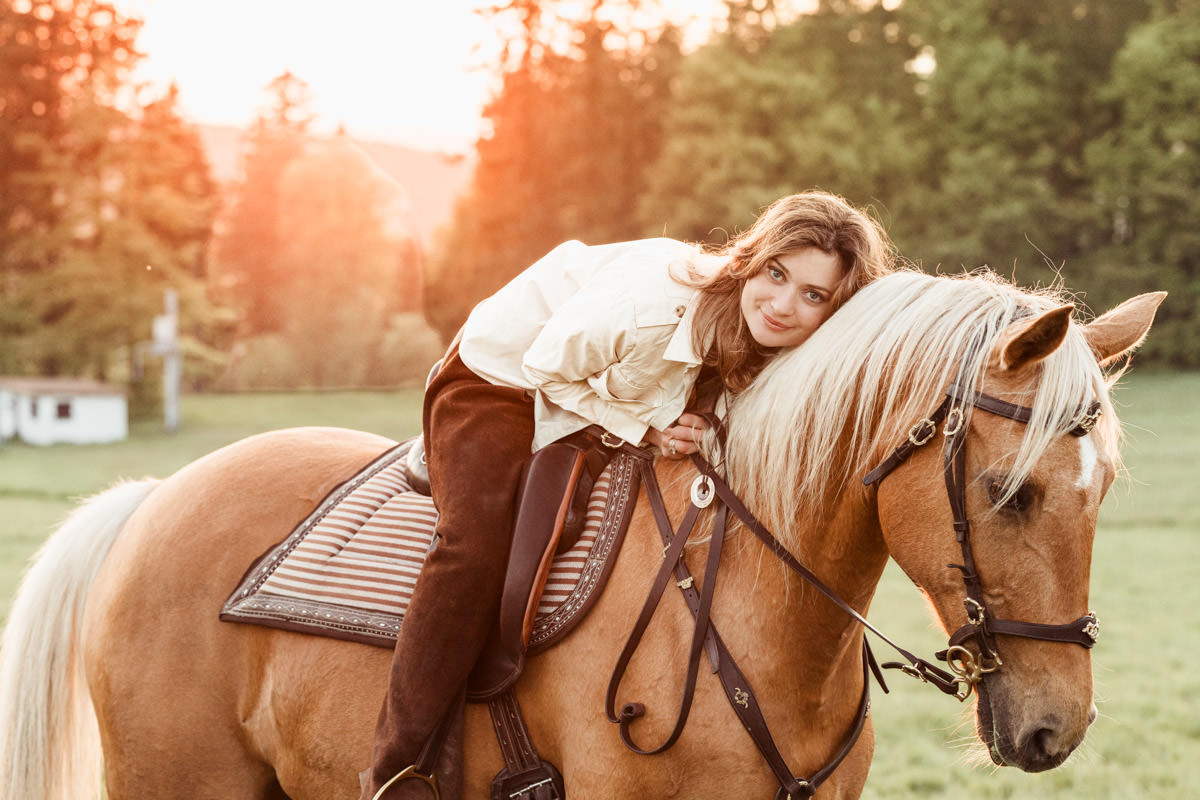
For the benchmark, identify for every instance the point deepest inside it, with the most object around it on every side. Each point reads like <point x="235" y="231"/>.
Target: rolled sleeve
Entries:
<point x="577" y="363"/>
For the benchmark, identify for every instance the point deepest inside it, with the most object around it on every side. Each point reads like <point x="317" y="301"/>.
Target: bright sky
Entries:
<point x="411" y="72"/>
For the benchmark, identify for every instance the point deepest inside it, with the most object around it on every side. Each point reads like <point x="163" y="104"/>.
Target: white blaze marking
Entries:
<point x="1088" y="459"/>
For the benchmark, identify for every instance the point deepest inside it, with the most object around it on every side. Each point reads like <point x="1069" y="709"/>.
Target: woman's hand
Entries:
<point x="681" y="438"/>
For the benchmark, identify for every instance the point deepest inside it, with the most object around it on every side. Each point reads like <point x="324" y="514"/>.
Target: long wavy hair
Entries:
<point x="792" y="223"/>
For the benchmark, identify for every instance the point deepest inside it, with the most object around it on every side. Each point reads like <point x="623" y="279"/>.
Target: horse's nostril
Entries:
<point x="1093" y="712"/>
<point x="1044" y="749"/>
<point x="1040" y="743"/>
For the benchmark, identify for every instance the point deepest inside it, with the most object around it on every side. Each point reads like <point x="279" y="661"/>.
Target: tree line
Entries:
<point x="1055" y="142"/>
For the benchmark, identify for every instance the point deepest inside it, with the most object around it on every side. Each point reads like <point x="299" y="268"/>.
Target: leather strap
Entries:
<point x="671" y="559"/>
<point x="1087" y="417"/>
<point x="525" y="774"/>
<point x="918" y="435"/>
<point x="1076" y="632"/>
<point x="916" y="665"/>
<point x="980" y="627"/>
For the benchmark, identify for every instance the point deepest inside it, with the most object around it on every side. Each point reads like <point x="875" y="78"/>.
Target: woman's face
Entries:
<point x="790" y="297"/>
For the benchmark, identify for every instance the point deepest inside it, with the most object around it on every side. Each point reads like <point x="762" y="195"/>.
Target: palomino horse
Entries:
<point x="119" y="612"/>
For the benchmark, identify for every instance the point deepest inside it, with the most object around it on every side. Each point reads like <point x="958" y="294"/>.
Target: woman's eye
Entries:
<point x="775" y="274"/>
<point x="814" y="297"/>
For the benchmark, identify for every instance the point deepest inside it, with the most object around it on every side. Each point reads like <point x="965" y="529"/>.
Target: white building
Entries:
<point x="46" y="411"/>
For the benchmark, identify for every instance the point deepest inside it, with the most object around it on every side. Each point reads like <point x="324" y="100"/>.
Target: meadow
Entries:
<point x="1145" y="744"/>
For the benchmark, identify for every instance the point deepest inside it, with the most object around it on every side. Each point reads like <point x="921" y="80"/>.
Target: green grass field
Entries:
<point x="1146" y="743"/>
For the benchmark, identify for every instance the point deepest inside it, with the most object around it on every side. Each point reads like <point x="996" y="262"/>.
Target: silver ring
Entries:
<point x="671" y="445"/>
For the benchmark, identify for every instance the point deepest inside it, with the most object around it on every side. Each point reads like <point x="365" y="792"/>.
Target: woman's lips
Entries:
<point x="773" y="323"/>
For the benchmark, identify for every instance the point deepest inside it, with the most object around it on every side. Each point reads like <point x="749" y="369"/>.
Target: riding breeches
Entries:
<point x="478" y="437"/>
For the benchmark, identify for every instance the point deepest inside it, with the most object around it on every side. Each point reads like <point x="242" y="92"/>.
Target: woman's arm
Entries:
<point x="579" y="362"/>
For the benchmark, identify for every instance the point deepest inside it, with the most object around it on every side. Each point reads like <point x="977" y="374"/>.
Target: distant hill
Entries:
<point x="433" y="180"/>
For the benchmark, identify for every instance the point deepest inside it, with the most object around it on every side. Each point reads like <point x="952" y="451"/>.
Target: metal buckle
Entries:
<point x="1092" y="629"/>
<point x="926" y="426"/>
<point x="976" y="612"/>
<point x="616" y="442"/>
<point x="954" y="421"/>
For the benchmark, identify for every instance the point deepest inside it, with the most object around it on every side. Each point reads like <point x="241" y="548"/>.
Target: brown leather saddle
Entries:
<point x="551" y="511"/>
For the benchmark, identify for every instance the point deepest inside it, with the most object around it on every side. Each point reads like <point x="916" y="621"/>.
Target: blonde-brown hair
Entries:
<point x="792" y="223"/>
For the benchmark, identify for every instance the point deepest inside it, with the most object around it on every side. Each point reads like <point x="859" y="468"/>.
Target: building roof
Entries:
<point x="58" y="386"/>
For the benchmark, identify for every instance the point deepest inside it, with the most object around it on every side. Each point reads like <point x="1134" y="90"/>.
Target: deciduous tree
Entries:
<point x="573" y="131"/>
<point x="101" y="206"/>
<point x="1146" y="172"/>
<point x="823" y="102"/>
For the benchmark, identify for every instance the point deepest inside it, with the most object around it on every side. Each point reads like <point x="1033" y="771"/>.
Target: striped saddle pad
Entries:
<point x="347" y="571"/>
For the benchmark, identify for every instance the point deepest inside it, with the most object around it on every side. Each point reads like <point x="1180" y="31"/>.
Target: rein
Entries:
<point x="705" y="489"/>
<point x="966" y="670"/>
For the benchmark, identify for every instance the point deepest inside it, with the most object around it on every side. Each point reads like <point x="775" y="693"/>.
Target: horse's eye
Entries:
<point x="1021" y="499"/>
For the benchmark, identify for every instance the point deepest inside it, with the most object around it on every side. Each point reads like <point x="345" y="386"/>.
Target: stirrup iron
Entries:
<point x="410" y="771"/>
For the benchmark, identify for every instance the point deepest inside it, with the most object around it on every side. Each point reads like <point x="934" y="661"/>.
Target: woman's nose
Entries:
<point x="783" y="306"/>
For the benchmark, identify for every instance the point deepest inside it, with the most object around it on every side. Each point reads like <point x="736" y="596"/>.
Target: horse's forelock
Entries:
<point x="822" y="415"/>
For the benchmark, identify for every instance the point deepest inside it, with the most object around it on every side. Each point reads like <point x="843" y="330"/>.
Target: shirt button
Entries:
<point x="679" y="311"/>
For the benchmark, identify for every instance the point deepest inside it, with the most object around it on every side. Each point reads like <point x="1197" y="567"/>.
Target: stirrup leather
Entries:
<point x="410" y="771"/>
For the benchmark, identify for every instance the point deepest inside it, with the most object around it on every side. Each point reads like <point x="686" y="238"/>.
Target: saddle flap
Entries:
<point x="547" y="491"/>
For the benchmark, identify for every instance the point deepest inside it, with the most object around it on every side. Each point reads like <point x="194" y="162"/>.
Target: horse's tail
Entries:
<point x="49" y="739"/>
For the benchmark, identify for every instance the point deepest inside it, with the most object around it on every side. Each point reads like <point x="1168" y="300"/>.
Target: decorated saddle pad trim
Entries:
<point x="348" y="570"/>
<point x="250" y="603"/>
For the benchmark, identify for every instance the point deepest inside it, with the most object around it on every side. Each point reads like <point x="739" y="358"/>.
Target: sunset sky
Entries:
<point x="411" y="72"/>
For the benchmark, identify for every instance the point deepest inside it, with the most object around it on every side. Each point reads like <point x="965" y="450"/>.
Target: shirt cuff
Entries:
<point x="628" y="427"/>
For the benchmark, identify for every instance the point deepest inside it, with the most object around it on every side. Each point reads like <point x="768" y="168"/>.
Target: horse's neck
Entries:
<point x="802" y="646"/>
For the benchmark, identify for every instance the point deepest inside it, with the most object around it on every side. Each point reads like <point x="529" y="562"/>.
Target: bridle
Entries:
<point x="980" y="627"/>
<point x="966" y="669"/>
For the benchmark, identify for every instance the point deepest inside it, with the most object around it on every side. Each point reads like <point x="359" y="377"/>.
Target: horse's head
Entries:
<point x="1013" y="444"/>
<point x="1032" y="490"/>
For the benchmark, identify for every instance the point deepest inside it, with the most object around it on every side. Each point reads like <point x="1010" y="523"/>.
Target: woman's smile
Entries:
<point x="790" y="297"/>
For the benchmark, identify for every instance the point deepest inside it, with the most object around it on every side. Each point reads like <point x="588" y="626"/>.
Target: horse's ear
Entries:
<point x="1118" y="331"/>
<point x="1031" y="340"/>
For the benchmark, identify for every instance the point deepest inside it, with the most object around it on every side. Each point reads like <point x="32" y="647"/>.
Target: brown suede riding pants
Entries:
<point x="478" y="437"/>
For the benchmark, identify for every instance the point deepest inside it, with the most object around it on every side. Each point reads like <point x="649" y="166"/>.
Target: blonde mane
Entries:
<point x="822" y="415"/>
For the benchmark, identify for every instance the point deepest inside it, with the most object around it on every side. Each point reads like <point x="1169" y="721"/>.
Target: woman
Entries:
<point x="613" y="335"/>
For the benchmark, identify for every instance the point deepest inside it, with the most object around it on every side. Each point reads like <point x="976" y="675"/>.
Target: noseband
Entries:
<point x="983" y="629"/>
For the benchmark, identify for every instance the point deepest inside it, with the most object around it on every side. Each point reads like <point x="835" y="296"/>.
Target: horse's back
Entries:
<point x="169" y="681"/>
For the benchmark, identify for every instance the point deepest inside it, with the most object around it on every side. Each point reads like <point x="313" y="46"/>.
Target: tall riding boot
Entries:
<point x="478" y="437"/>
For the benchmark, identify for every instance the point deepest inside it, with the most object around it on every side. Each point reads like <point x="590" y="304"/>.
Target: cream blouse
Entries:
<point x="597" y="334"/>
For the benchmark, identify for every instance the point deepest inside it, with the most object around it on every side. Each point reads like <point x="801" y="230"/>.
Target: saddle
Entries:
<point x="551" y="510"/>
